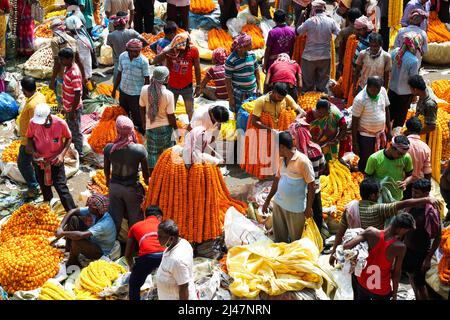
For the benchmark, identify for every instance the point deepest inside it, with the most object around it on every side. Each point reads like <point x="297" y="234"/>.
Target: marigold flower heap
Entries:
<point x="196" y="198"/>
<point x="105" y="131"/>
<point x="11" y="152"/>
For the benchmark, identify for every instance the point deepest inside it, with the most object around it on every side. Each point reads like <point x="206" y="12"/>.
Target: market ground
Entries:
<point x="238" y="181"/>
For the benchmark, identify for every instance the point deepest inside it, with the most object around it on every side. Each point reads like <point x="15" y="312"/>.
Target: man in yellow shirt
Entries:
<point x="273" y="103"/>
<point x="25" y="160"/>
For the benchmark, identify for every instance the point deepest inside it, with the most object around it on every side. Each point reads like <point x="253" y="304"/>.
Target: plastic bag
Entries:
<point x="312" y="232"/>
<point x="199" y="39"/>
<point x="106" y="56"/>
<point x="241" y="231"/>
<point x="242" y="119"/>
<point x="438" y="53"/>
<point x="9" y="109"/>
<point x="207" y="287"/>
<point x="235" y="26"/>
<point x="265" y="26"/>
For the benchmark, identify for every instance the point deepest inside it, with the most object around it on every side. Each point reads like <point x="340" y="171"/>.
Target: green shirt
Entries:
<point x="379" y="166"/>
<point x="373" y="214"/>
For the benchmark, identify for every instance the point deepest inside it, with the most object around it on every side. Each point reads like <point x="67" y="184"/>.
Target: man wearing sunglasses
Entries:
<point x="394" y="162"/>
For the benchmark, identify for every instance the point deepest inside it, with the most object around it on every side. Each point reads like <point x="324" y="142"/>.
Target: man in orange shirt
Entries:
<point x="145" y="234"/>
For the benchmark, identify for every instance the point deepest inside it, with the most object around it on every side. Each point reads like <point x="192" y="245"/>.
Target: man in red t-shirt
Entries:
<point x="145" y="234"/>
<point x="287" y="71"/>
<point x="48" y="140"/>
<point x="72" y="90"/>
<point x="181" y="56"/>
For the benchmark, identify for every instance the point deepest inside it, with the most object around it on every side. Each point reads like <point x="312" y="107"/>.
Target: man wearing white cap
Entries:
<point x="48" y="141"/>
<point x="316" y="58"/>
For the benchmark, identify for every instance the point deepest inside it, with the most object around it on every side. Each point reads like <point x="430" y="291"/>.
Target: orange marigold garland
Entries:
<point x="299" y="47"/>
<point x="199" y="195"/>
<point x="444" y="263"/>
<point x="347" y="74"/>
<point x="257" y="36"/>
<point x="11" y="152"/>
<point x="202" y="6"/>
<point x="219" y="38"/>
<point x="258" y="143"/>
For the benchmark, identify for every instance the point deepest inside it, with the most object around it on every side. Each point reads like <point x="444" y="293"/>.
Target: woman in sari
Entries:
<point x="327" y="126"/>
<point x="25" y="28"/>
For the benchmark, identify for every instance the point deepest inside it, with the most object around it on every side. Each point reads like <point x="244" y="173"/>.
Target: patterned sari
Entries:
<point x="323" y="130"/>
<point x="25" y="28"/>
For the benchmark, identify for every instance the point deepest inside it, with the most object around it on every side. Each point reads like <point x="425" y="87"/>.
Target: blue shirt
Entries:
<point x="159" y="45"/>
<point x="103" y="231"/>
<point x="133" y="73"/>
<point x="415" y="4"/>
<point x="400" y="75"/>
<point x="293" y="183"/>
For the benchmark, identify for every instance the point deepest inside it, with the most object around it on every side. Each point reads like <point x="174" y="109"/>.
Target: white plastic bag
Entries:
<point x="344" y="282"/>
<point x="241" y="231"/>
<point x="208" y="286"/>
<point x="265" y="26"/>
<point x="235" y="26"/>
<point x="106" y="56"/>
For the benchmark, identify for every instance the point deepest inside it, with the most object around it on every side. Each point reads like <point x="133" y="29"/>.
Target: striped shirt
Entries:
<point x="371" y="114"/>
<point x="72" y="82"/>
<point x="373" y="214"/>
<point x="317" y="162"/>
<point x="217" y="74"/>
<point x="133" y="73"/>
<point x="241" y="71"/>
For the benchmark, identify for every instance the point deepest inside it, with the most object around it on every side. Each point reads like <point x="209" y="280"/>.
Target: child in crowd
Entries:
<point x="217" y="74"/>
<point x="170" y="30"/>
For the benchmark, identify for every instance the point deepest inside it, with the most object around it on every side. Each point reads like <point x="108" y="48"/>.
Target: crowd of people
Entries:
<point x="385" y="82"/>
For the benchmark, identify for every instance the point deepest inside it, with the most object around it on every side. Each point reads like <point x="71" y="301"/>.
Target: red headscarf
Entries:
<point x="125" y="133"/>
<point x="300" y="132"/>
<point x="220" y="55"/>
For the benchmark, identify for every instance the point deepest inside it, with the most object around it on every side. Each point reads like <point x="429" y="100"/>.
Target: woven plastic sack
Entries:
<point x="438" y="53"/>
<point x="312" y="232"/>
<point x="9" y="109"/>
<point x="106" y="56"/>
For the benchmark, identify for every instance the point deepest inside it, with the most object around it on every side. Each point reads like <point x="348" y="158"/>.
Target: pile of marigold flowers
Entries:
<point x="11" y="152"/>
<point x="195" y="198"/>
<point x="105" y="131"/>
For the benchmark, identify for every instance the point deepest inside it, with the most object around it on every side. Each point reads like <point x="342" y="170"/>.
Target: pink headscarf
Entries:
<point x="219" y="55"/>
<point x="300" y="132"/>
<point x="241" y="41"/>
<point x="134" y="45"/>
<point x="125" y="133"/>
<point x="363" y="22"/>
<point x="284" y="57"/>
<point x="119" y="21"/>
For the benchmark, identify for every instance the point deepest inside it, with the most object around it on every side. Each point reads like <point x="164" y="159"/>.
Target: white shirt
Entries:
<point x="371" y="114"/>
<point x="201" y="118"/>
<point x="176" y="268"/>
